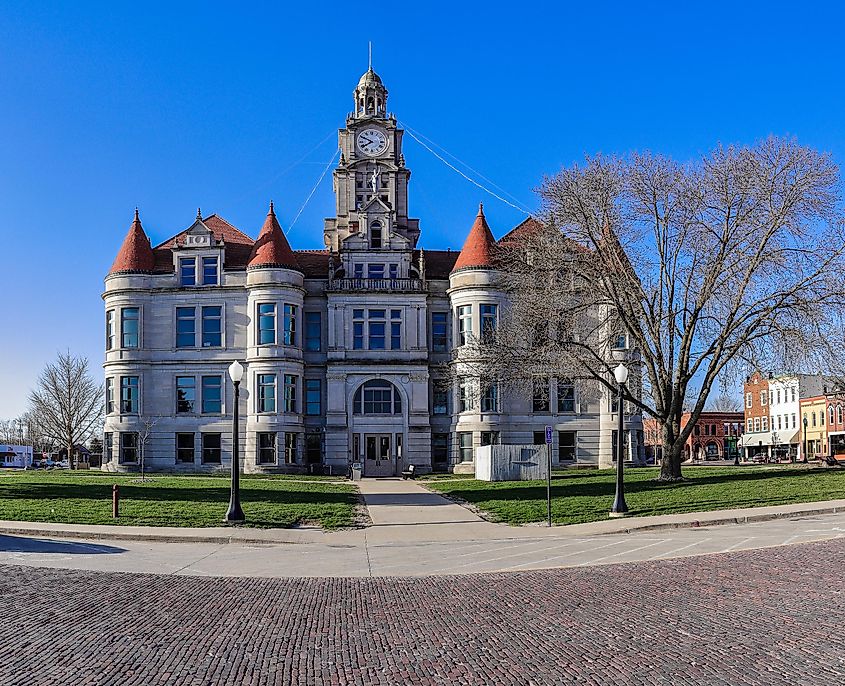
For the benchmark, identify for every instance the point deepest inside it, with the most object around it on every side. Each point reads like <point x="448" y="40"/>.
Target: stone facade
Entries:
<point x="341" y="346"/>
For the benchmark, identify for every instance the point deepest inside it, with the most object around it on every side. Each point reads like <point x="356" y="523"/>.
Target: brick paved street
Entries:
<point x="764" y="617"/>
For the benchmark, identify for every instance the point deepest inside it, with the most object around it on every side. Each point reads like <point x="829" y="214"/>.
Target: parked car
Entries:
<point x="63" y="464"/>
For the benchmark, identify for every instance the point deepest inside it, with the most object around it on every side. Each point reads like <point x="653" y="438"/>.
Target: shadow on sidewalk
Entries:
<point x="20" y="544"/>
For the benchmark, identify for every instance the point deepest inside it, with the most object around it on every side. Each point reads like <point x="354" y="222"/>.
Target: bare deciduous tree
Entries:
<point x="67" y="402"/>
<point x="710" y="268"/>
<point x="147" y="425"/>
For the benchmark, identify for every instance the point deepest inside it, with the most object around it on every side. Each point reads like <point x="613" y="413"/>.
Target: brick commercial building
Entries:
<point x="715" y="436"/>
<point x="773" y="430"/>
<point x="341" y="346"/>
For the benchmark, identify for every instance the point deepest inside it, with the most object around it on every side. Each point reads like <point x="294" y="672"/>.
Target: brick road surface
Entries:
<point x="761" y="617"/>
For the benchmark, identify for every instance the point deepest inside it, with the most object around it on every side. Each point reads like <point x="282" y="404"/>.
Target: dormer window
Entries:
<point x="187" y="271"/>
<point x="209" y="271"/>
<point x="375" y="271"/>
<point x="358" y="271"/>
<point x="394" y="271"/>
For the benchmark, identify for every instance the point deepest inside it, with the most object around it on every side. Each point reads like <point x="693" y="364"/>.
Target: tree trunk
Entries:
<point x="70" y="455"/>
<point x="670" y="463"/>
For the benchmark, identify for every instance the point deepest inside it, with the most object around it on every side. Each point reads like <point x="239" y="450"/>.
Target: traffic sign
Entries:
<point x="548" y="435"/>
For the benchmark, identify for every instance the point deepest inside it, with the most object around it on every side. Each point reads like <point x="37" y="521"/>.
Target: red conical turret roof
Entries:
<point x="477" y="252"/>
<point x="136" y="253"/>
<point x="272" y="248"/>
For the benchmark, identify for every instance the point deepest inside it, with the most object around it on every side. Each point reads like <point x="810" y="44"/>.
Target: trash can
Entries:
<point x="356" y="471"/>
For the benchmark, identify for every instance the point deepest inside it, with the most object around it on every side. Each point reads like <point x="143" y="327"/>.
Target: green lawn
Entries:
<point x="579" y="497"/>
<point x="86" y="498"/>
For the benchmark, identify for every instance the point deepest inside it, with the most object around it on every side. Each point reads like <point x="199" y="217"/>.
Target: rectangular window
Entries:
<point x="290" y="325"/>
<point x="266" y="450"/>
<point x="290" y="393"/>
<point x="778" y="396"/>
<point x="465" y="396"/>
<point x="765" y="425"/>
<point x="376" y="330"/>
<point x="565" y="395"/>
<point x="313" y="398"/>
<point x="438" y="332"/>
<point x="566" y="446"/>
<point x="211" y="326"/>
<point x="540" y="396"/>
<point x="109" y="329"/>
<point x="210" y="448"/>
<point x="266" y="393"/>
<point x="186" y="394"/>
<point x="440" y="401"/>
<point x="395" y="329"/>
<point x="490" y="397"/>
<point x="187" y="271"/>
<point x="266" y="323"/>
<point x="539" y="438"/>
<point x="750" y="424"/>
<point x="358" y="271"/>
<point x="290" y="448"/>
<point x="212" y="394"/>
<point x="129" y="317"/>
<point x="489" y="319"/>
<point x="109" y="395"/>
<point x="465" y="453"/>
<point x="764" y="397"/>
<point x="748" y="400"/>
<point x="313" y="331"/>
<point x="107" y="447"/>
<point x="209" y="271"/>
<point x="186" y="327"/>
<point x="394" y="271"/>
<point x="793" y="416"/>
<point x="128" y="447"/>
<point x="185" y="448"/>
<point x="129" y="394"/>
<point x="620" y="342"/>
<point x="756" y="423"/>
<point x="489" y="437"/>
<point x="357" y="329"/>
<point x="375" y="271"/>
<point x="464" y="313"/>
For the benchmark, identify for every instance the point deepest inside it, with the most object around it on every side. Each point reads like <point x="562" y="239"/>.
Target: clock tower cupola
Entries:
<point x="371" y="179"/>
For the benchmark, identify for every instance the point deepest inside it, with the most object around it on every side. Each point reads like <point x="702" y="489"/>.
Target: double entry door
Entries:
<point x="379" y="457"/>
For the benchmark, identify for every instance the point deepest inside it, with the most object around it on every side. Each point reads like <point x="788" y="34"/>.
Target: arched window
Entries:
<point x="375" y="235"/>
<point x="377" y="397"/>
<point x="830" y="413"/>
<point x="839" y="414"/>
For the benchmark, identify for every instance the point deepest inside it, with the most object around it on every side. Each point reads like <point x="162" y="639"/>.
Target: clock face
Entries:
<point x="372" y="142"/>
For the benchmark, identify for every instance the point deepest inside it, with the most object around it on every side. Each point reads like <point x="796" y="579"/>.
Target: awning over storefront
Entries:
<point x="750" y="440"/>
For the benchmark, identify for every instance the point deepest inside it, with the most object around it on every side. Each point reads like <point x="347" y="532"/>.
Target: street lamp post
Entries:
<point x="620" y="508"/>
<point x="805" y="440"/>
<point x="235" y="515"/>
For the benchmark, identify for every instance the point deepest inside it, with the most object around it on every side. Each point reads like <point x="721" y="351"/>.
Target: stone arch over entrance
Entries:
<point x="377" y="416"/>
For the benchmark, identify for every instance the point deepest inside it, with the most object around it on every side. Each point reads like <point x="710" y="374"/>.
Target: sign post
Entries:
<point x="549" y="472"/>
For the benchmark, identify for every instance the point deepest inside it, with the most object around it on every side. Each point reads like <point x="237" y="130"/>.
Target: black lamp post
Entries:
<point x="620" y="508"/>
<point x="805" y="440"/>
<point x="235" y="515"/>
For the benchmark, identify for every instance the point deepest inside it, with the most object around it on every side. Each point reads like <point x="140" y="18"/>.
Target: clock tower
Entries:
<point x="371" y="180"/>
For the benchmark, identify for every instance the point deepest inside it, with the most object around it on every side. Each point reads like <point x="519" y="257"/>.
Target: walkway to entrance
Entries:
<point x="399" y="502"/>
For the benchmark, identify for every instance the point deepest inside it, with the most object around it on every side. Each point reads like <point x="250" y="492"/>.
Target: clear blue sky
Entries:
<point x="171" y="106"/>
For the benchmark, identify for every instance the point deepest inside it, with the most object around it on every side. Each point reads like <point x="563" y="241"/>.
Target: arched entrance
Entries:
<point x="378" y="427"/>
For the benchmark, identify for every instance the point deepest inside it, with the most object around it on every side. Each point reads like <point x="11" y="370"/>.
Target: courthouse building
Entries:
<point x="341" y="346"/>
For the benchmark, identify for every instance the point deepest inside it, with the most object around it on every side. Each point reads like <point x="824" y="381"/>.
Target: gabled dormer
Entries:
<point x="198" y="256"/>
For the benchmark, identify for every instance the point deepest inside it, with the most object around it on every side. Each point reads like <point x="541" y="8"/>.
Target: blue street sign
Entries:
<point x="548" y="435"/>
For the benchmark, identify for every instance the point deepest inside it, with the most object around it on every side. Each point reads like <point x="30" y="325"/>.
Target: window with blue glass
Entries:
<point x="313" y="333"/>
<point x="186" y="327"/>
<point x="375" y="271"/>
<point x="395" y="329"/>
<point x="129" y="327"/>
<point x="266" y="393"/>
<point x="266" y="323"/>
<point x="357" y="329"/>
<point x="439" y="338"/>
<point x="186" y="394"/>
<point x="313" y="399"/>
<point x="129" y="394"/>
<point x="376" y="326"/>
<point x="212" y="394"/>
<point x="212" y="326"/>
<point x="209" y="271"/>
<point x="187" y="271"/>
<point x="290" y="325"/>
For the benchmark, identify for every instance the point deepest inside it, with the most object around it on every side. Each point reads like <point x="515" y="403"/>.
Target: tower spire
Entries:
<point x="370" y="57"/>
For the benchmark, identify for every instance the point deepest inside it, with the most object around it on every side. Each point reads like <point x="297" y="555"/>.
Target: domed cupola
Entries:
<point x="370" y="96"/>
